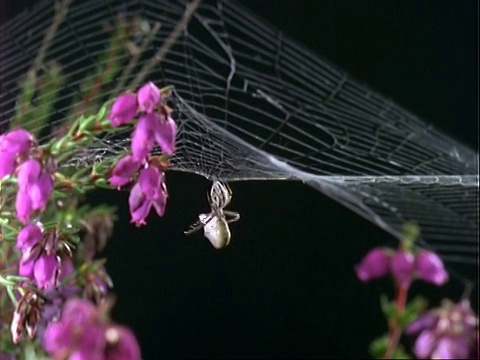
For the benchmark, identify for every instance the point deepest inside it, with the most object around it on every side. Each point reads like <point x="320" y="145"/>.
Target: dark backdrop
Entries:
<point x="285" y="287"/>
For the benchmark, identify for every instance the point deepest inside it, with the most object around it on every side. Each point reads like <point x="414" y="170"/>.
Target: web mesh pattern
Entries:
<point x="252" y="104"/>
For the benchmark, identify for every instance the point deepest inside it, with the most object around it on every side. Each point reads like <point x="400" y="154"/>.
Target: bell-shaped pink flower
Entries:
<point x="149" y="190"/>
<point x="374" y="265"/>
<point x="121" y="344"/>
<point x="35" y="186"/>
<point x="165" y="133"/>
<point x="139" y="205"/>
<point x="143" y="139"/>
<point x="148" y="97"/>
<point x="402" y="266"/>
<point x="43" y="263"/>
<point x="46" y="271"/>
<point x="123" y="171"/>
<point x="430" y="268"/>
<point x="13" y="144"/>
<point x="29" y="236"/>
<point x="16" y="141"/>
<point x="123" y="110"/>
<point x="40" y="267"/>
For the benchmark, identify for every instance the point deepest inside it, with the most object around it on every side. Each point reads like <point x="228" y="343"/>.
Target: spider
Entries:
<point x="215" y="224"/>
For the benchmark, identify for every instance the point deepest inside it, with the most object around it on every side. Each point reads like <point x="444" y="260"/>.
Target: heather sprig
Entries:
<point x="448" y="332"/>
<point x="49" y="241"/>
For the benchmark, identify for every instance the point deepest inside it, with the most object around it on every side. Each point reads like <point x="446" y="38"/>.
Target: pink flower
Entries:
<point x="148" y="97"/>
<point x="447" y="332"/>
<point x="430" y="268"/>
<point x="43" y="263"/>
<point x="123" y="110"/>
<point x="78" y="335"/>
<point x="35" y="186"/>
<point x="12" y="145"/>
<point x="26" y="317"/>
<point x="29" y="236"/>
<point x="83" y="333"/>
<point x="153" y="128"/>
<point x="143" y="137"/>
<point x="149" y="190"/>
<point x="165" y="134"/>
<point x="402" y="266"/>
<point x="374" y="265"/>
<point x="40" y="267"/>
<point x="123" y="171"/>
<point x="16" y="141"/>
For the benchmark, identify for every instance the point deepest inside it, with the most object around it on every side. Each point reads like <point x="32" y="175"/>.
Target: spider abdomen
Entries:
<point x="216" y="230"/>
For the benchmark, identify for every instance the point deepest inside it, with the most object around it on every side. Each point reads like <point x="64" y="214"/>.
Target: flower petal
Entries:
<point x="28" y="173"/>
<point x="423" y="322"/>
<point x="23" y="206"/>
<point x="149" y="181"/>
<point x="451" y="348"/>
<point x="148" y="97"/>
<point x="139" y="205"/>
<point x="165" y="132"/>
<point x="424" y="344"/>
<point x="143" y="137"/>
<point x="40" y="191"/>
<point x="7" y="163"/>
<point x="161" y="202"/>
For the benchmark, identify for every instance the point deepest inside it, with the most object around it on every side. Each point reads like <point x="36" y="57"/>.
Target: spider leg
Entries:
<point x="197" y="225"/>
<point x="234" y="216"/>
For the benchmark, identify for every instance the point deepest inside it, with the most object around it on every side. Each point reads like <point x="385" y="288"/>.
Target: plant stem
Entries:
<point x="395" y="326"/>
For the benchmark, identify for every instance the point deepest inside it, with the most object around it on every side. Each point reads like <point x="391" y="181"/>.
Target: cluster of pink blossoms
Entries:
<point x="42" y="259"/>
<point x="18" y="154"/>
<point x="403" y="265"/>
<point x="447" y="332"/>
<point x="85" y="333"/>
<point x="154" y="126"/>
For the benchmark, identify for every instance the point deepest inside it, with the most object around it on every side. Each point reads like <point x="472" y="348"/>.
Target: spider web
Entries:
<point x="252" y="104"/>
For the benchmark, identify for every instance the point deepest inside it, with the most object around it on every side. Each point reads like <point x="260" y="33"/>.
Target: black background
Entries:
<point x="285" y="287"/>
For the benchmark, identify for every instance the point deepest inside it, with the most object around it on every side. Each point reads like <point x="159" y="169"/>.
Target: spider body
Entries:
<point x="215" y="224"/>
